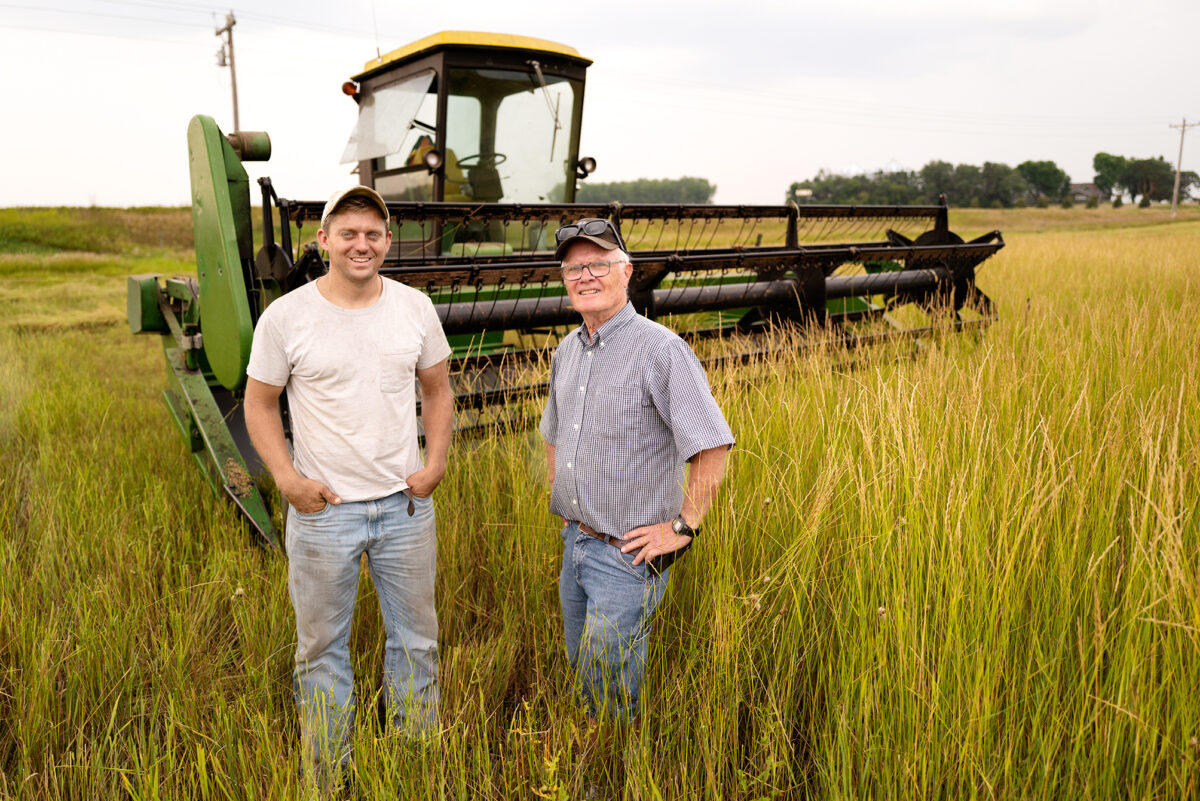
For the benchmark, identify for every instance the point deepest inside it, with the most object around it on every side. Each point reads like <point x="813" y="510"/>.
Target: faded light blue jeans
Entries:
<point x="324" y="556"/>
<point x="607" y="607"/>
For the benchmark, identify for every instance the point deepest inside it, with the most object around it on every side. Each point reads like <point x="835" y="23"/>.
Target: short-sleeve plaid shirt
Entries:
<point x="626" y="411"/>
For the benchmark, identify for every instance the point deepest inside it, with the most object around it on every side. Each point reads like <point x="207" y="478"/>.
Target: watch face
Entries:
<point x="676" y="525"/>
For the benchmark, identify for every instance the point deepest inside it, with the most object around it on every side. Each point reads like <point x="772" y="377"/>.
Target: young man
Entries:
<point x="629" y="406"/>
<point x="347" y="348"/>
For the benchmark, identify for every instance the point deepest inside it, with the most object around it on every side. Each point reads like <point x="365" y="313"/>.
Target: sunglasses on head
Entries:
<point x="596" y="227"/>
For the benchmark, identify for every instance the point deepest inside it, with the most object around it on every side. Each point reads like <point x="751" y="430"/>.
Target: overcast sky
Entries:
<point x="750" y="95"/>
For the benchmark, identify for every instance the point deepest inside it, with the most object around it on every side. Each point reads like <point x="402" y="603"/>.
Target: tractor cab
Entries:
<point x="470" y="118"/>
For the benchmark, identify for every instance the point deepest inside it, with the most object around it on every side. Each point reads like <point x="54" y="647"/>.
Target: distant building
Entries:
<point x="1081" y="193"/>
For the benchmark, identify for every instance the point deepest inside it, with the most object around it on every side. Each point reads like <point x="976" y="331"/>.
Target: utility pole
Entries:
<point x="1179" y="161"/>
<point x="227" y="47"/>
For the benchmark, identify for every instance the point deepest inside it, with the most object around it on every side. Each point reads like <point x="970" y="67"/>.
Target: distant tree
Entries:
<point x="828" y="187"/>
<point x="881" y="188"/>
<point x="962" y="184"/>
<point x="648" y="190"/>
<point x="1153" y="179"/>
<point x="1000" y="185"/>
<point x="1108" y="172"/>
<point x="1187" y="180"/>
<point x="994" y="185"/>
<point x="968" y="185"/>
<point x="1044" y="178"/>
<point x="937" y="178"/>
<point x="894" y="188"/>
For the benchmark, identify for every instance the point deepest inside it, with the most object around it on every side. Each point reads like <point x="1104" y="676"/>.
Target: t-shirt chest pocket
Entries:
<point x="397" y="369"/>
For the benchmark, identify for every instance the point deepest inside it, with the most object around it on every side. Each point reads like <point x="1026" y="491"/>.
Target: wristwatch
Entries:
<point x="680" y="526"/>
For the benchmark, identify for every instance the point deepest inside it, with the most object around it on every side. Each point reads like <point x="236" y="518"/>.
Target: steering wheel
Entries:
<point x="494" y="159"/>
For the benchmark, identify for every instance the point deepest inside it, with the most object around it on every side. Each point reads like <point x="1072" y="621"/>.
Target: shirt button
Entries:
<point x="590" y="354"/>
<point x="569" y="466"/>
<point x="602" y="344"/>
<point x="581" y="389"/>
<point x="577" y="426"/>
<point x="575" y="502"/>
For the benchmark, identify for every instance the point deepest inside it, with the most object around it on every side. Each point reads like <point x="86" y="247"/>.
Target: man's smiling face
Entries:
<point x="597" y="299"/>
<point x="357" y="242"/>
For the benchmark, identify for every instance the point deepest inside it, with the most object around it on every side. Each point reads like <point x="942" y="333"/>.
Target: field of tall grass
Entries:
<point x="967" y="569"/>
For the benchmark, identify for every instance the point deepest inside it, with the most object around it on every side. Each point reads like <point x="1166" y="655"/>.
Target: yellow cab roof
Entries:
<point x="469" y="39"/>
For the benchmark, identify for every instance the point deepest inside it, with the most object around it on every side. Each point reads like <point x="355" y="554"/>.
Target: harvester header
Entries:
<point x="472" y="139"/>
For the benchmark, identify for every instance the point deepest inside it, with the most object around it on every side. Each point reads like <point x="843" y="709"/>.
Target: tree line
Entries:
<point x="993" y="185"/>
<point x="647" y="190"/>
<point x="1150" y="179"/>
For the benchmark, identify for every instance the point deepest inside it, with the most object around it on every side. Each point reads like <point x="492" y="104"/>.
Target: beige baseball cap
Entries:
<point x="353" y="191"/>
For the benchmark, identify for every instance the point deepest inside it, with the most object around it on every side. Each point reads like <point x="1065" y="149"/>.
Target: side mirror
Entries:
<point x="585" y="167"/>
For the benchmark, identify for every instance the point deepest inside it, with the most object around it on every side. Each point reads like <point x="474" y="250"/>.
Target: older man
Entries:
<point x="348" y="348"/>
<point x="629" y="407"/>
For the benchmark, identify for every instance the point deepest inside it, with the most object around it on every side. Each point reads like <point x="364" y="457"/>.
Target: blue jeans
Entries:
<point x="324" y="556"/>
<point x="607" y="607"/>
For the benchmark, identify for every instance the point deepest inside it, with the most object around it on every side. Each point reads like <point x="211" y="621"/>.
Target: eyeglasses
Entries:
<point x="598" y="269"/>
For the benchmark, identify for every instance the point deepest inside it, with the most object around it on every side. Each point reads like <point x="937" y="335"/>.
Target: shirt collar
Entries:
<point x="610" y="327"/>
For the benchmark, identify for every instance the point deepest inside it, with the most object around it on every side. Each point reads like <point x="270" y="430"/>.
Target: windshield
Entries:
<point x="508" y="136"/>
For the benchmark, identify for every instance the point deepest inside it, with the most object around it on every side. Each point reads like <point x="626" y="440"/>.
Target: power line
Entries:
<point x="285" y="22"/>
<point x="125" y="36"/>
<point x="206" y="10"/>
<point x="806" y="113"/>
<point x="199" y="9"/>
<point x="278" y="21"/>
<point x="96" y="34"/>
<point x="75" y="12"/>
<point x="742" y="94"/>
<point x="798" y="107"/>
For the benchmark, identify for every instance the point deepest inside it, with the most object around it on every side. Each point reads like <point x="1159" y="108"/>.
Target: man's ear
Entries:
<point x="323" y="239"/>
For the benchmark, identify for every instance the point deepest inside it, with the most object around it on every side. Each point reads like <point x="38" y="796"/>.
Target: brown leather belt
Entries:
<point x="608" y="539"/>
<point x="658" y="564"/>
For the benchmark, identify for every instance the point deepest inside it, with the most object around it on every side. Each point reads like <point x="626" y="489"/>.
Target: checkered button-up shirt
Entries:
<point x="626" y="411"/>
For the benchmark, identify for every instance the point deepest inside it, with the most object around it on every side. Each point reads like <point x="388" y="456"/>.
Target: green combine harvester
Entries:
<point x="473" y="139"/>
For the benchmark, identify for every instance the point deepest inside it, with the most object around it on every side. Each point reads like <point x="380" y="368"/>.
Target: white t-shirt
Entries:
<point x="350" y="378"/>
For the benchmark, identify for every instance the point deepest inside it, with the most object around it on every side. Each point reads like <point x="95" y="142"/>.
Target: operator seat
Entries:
<point x="485" y="182"/>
